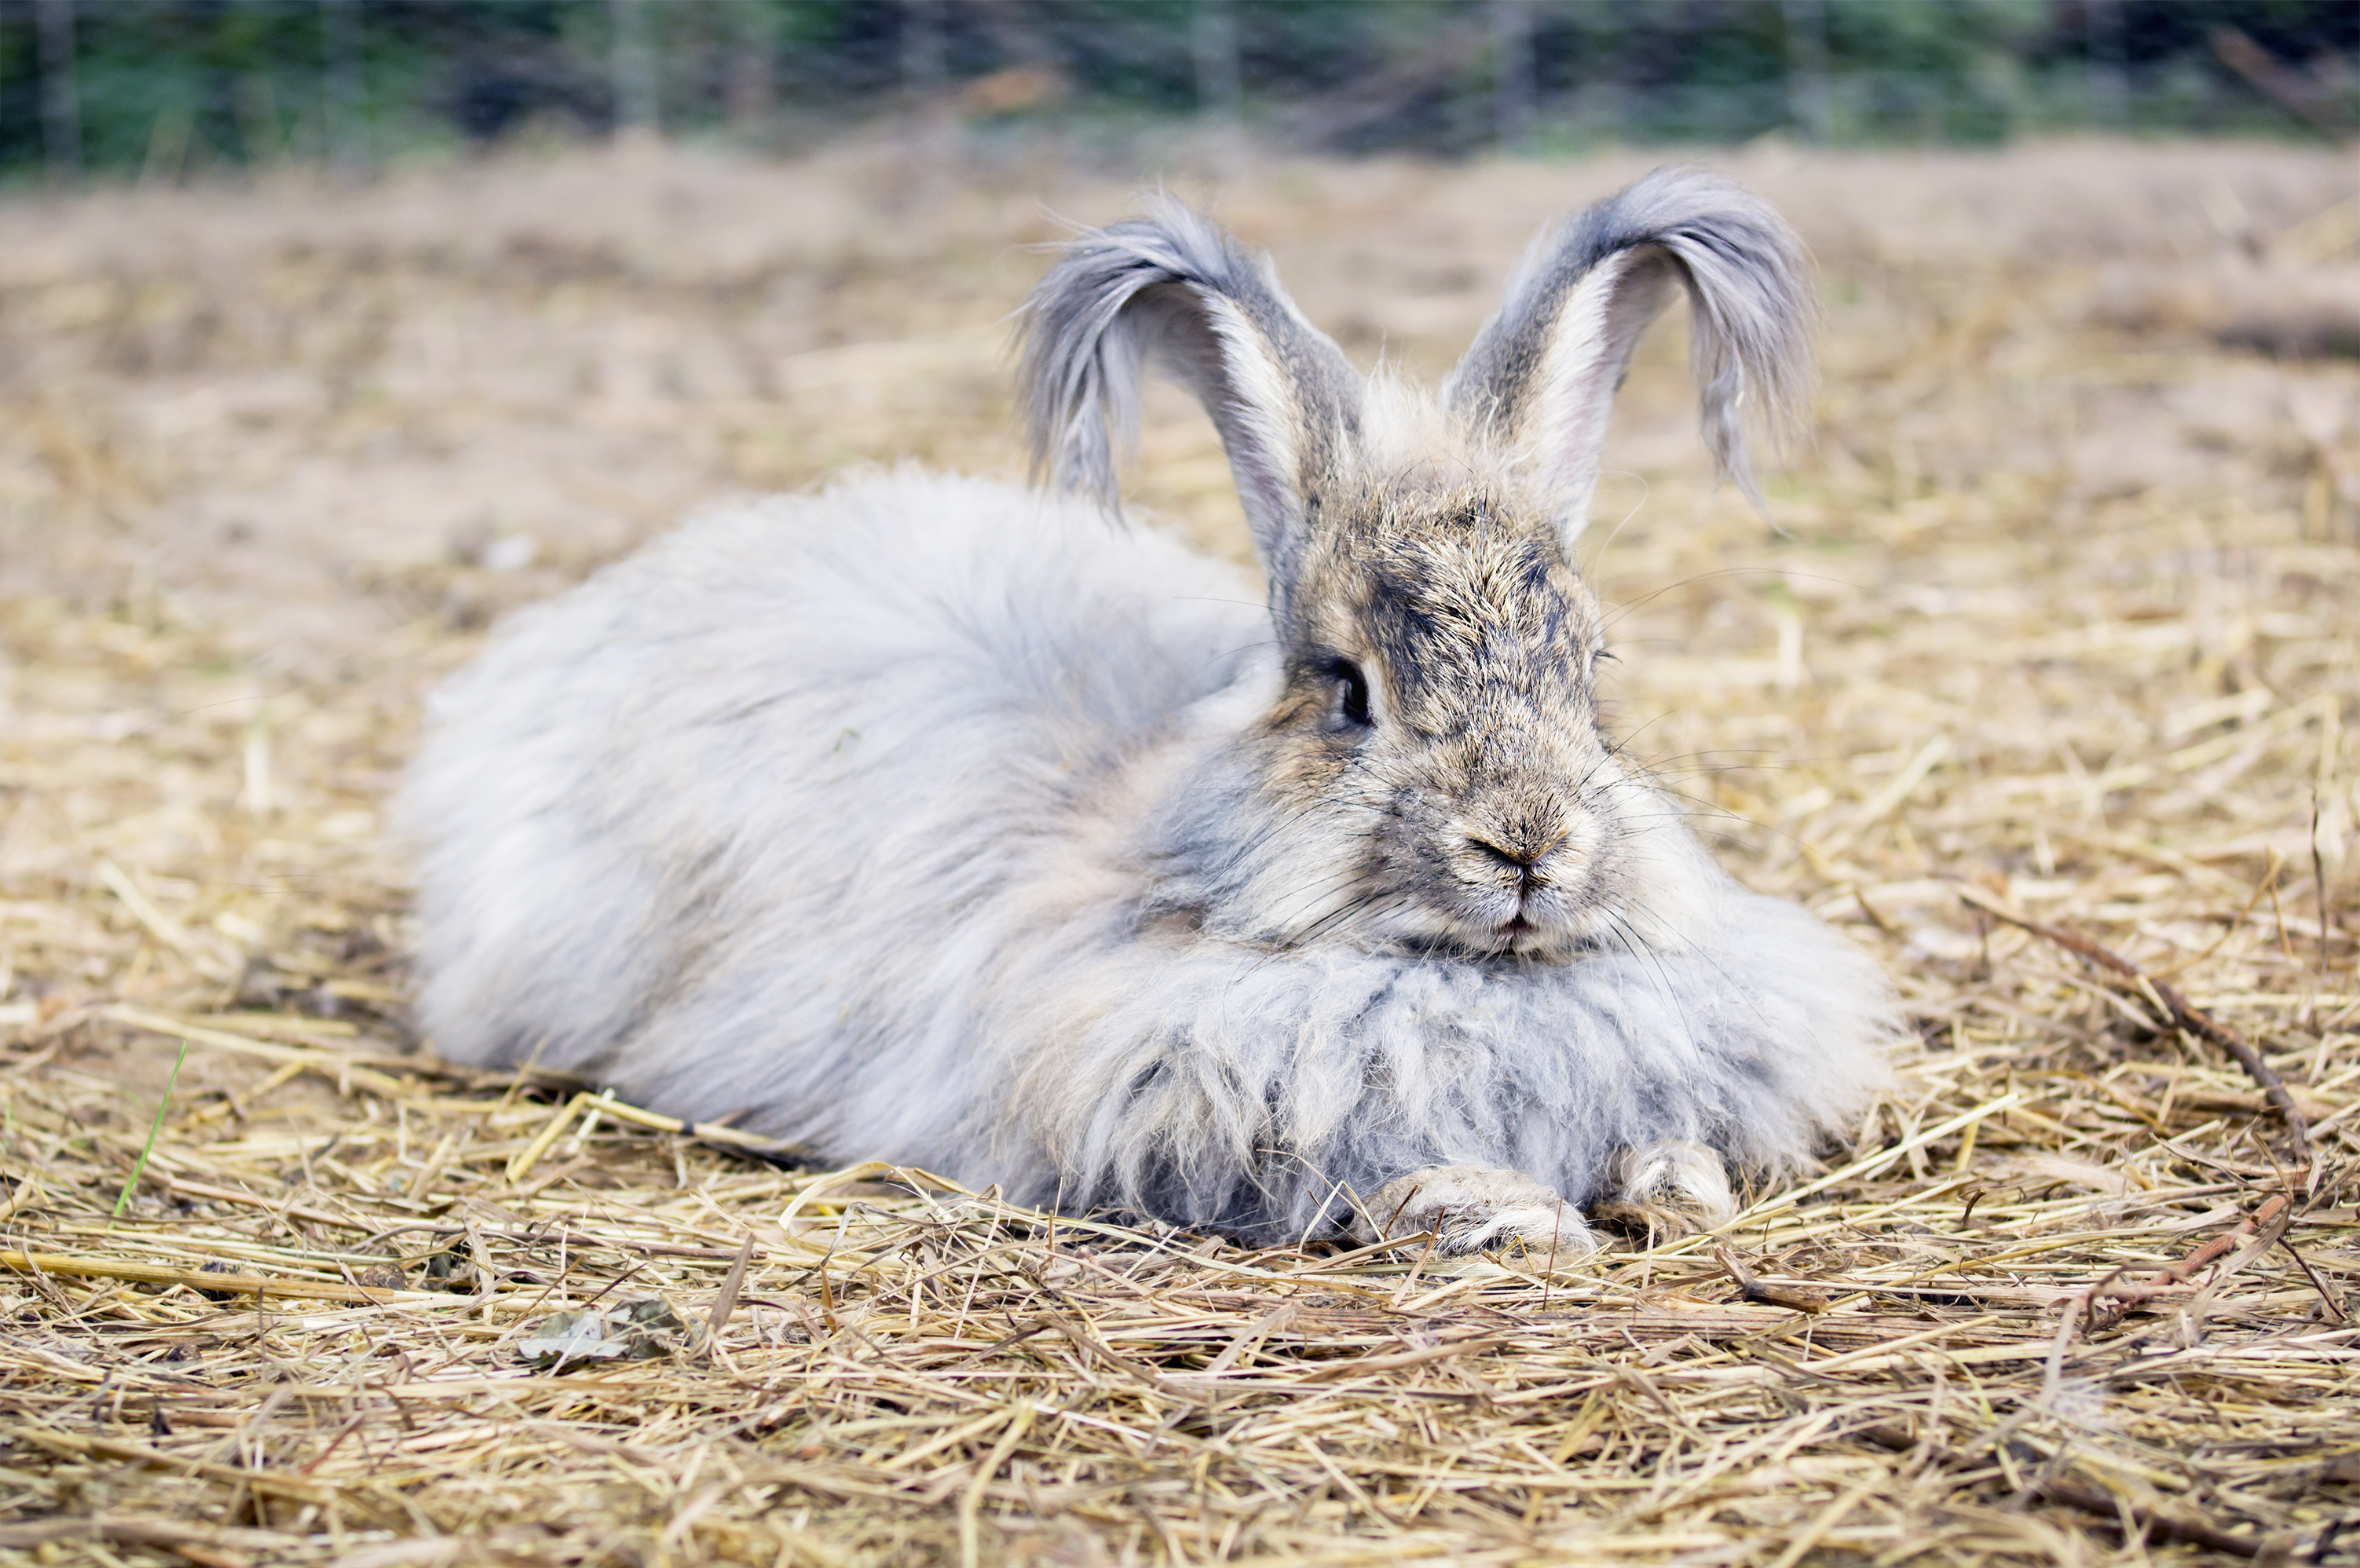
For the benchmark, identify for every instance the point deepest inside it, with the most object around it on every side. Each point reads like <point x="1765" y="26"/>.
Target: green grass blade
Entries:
<point x="123" y="1199"/>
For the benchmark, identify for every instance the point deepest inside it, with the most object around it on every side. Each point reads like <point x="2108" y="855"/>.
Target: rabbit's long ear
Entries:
<point x="1542" y="373"/>
<point x="1173" y="290"/>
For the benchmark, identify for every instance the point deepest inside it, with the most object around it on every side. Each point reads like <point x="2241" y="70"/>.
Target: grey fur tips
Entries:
<point x="1173" y="290"/>
<point x="1552" y="356"/>
<point x="1077" y="382"/>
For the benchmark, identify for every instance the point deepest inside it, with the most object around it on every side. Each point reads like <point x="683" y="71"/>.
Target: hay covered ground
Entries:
<point x="2065" y="634"/>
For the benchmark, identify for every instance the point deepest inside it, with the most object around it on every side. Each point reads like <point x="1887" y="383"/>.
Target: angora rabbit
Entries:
<point x="937" y="820"/>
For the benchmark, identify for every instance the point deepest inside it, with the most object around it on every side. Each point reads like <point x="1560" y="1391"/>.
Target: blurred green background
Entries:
<point x="164" y="89"/>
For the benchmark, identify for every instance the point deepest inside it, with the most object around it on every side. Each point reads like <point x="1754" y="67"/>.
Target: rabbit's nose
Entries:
<point x="1518" y="859"/>
<point x="1519" y="852"/>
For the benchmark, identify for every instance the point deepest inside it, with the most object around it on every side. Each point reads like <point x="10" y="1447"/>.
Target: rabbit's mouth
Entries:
<point x="1458" y="935"/>
<point x="1521" y="935"/>
<point x="1544" y="916"/>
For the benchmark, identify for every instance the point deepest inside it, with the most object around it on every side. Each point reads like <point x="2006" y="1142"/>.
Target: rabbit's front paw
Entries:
<point x="1667" y="1189"/>
<point x="1470" y="1207"/>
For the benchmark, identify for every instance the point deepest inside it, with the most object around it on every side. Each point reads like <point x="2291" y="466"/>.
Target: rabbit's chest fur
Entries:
<point x="906" y="821"/>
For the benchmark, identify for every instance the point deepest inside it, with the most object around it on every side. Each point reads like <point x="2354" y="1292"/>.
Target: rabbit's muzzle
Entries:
<point x="1530" y="892"/>
<point x="1515" y="862"/>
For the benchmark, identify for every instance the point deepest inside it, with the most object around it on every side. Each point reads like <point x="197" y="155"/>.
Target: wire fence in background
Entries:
<point x="166" y="88"/>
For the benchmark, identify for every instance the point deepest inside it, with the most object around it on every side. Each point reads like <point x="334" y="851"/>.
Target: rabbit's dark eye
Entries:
<point x="1354" y="687"/>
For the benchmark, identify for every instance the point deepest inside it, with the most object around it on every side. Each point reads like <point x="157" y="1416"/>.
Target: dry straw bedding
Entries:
<point x="2064" y="634"/>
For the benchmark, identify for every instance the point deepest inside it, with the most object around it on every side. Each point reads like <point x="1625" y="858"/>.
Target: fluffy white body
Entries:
<point x="905" y="821"/>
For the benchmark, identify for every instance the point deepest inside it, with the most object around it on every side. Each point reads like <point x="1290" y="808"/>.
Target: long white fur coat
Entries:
<point x="857" y="815"/>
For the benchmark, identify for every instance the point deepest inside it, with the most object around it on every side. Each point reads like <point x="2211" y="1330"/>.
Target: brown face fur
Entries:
<point x="1487" y="792"/>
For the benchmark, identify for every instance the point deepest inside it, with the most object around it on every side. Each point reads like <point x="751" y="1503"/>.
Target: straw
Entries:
<point x="2063" y="637"/>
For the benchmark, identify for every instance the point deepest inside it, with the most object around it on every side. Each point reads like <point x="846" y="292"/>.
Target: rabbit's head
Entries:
<point x="1432" y="773"/>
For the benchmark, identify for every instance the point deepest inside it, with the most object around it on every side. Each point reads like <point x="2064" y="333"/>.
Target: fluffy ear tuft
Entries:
<point x="1175" y="292"/>
<point x="1542" y="374"/>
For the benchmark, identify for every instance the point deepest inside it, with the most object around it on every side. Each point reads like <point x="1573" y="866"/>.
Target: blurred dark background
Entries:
<point x="166" y="88"/>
